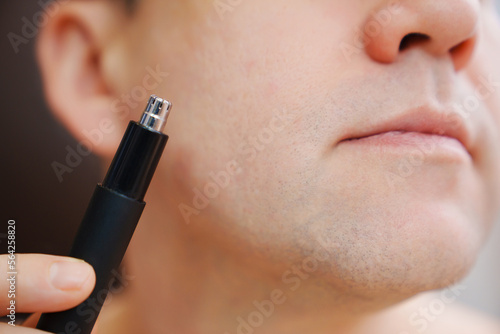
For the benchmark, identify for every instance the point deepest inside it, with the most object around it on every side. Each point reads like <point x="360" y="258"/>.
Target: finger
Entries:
<point x="8" y="329"/>
<point x="44" y="283"/>
<point x="32" y="320"/>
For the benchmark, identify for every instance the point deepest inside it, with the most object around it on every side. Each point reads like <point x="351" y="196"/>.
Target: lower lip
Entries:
<point x="402" y="141"/>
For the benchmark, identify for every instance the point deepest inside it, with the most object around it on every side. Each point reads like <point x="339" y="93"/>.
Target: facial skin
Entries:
<point x="272" y="89"/>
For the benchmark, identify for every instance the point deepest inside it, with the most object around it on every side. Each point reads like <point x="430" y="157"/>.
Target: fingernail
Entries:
<point x="69" y="275"/>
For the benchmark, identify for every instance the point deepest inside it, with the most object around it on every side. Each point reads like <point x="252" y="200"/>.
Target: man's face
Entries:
<point x="266" y="95"/>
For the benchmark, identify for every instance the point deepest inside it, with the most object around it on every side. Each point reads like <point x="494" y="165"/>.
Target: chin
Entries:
<point x="423" y="234"/>
<point x="417" y="247"/>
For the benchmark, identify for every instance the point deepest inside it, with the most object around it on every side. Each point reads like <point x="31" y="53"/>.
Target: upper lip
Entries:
<point x="423" y="120"/>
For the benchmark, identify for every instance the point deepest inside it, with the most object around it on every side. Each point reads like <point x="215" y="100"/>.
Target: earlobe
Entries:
<point x="69" y="50"/>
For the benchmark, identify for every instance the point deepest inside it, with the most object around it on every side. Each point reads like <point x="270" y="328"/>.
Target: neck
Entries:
<point x="180" y="281"/>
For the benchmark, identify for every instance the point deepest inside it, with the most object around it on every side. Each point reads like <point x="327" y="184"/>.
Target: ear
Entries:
<point x="71" y="52"/>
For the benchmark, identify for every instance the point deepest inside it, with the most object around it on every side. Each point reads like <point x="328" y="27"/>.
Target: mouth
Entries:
<point x="424" y="129"/>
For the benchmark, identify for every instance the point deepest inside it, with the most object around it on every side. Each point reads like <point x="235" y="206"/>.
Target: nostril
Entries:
<point x="412" y="39"/>
<point x="460" y="47"/>
<point x="462" y="53"/>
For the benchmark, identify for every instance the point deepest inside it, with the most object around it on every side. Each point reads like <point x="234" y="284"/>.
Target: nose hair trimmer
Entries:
<point x="112" y="215"/>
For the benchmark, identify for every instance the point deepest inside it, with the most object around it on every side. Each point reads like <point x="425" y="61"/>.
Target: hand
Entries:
<point x="44" y="283"/>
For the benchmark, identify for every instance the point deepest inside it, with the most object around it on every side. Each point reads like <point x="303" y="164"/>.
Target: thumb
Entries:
<point x="33" y="320"/>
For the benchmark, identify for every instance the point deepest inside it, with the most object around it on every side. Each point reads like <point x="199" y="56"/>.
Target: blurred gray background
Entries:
<point x="47" y="212"/>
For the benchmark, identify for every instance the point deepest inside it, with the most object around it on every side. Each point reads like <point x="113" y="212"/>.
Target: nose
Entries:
<point x="440" y="27"/>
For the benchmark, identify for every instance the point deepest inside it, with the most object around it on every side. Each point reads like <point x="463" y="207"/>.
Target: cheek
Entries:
<point x="484" y="73"/>
<point x="484" y="70"/>
<point x="234" y="102"/>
